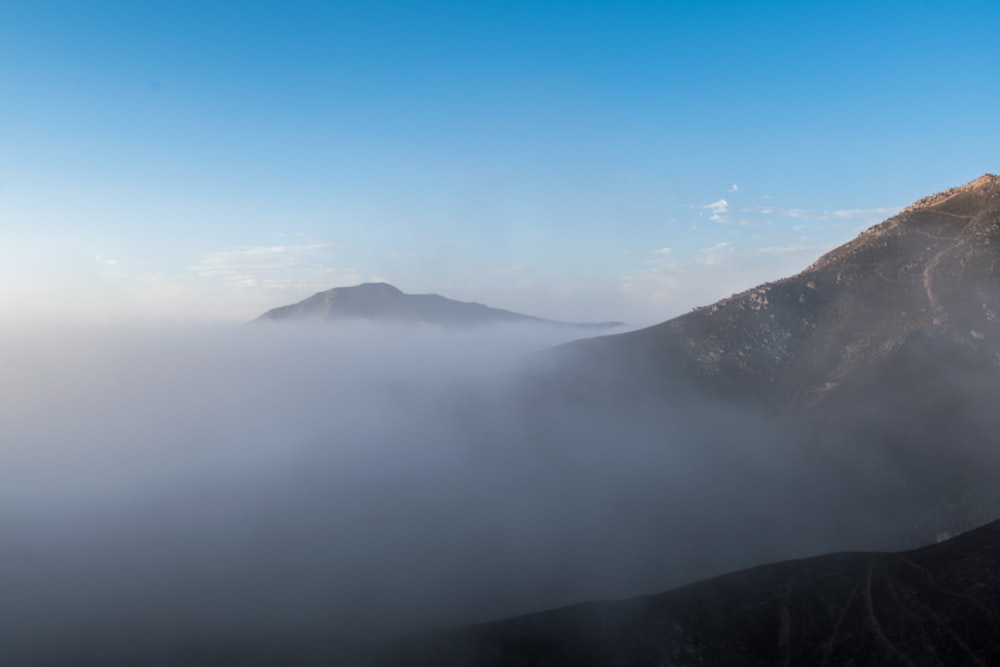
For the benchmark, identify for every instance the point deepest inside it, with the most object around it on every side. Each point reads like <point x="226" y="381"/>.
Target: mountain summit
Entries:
<point x="920" y="290"/>
<point x="383" y="302"/>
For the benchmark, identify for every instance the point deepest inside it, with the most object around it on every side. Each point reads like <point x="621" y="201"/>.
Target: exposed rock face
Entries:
<point x="383" y="302"/>
<point x="925" y="282"/>
<point x="939" y="605"/>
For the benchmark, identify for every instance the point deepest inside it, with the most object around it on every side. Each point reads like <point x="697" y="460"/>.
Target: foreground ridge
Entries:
<point x="938" y="605"/>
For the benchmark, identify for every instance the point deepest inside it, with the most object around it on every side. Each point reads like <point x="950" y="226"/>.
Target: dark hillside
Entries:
<point x="939" y="605"/>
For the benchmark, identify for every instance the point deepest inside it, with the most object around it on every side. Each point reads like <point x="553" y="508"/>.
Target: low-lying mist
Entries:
<point x="278" y="483"/>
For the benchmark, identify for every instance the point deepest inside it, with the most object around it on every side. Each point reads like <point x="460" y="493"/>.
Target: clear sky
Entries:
<point x="577" y="160"/>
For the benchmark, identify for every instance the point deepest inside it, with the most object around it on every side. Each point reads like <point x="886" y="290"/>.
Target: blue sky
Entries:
<point x="578" y="160"/>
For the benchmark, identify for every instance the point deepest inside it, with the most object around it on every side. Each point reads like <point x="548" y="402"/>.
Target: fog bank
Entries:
<point x="271" y="484"/>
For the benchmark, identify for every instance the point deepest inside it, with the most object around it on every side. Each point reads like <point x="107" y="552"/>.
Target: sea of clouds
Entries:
<point x="168" y="487"/>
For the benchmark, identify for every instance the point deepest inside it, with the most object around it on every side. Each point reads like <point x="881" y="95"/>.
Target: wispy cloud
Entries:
<point x="850" y="214"/>
<point x="272" y="267"/>
<point x="786" y="249"/>
<point x="713" y="254"/>
<point x="668" y="285"/>
<point x="663" y="251"/>
<point x="733" y="188"/>
<point x="719" y="210"/>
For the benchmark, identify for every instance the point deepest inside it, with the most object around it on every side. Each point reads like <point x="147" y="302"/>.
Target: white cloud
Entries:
<point x="733" y="188"/>
<point x="721" y="206"/>
<point x="719" y="210"/>
<point x="663" y="251"/>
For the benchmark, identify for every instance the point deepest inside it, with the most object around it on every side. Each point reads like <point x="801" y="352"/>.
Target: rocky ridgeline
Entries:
<point x="989" y="182"/>
<point x="928" y="273"/>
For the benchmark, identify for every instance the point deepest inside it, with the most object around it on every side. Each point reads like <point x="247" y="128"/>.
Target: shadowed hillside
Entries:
<point x="939" y="605"/>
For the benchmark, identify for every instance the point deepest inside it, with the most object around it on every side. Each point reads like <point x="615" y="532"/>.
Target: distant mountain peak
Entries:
<point x="379" y="301"/>
<point x="385" y="288"/>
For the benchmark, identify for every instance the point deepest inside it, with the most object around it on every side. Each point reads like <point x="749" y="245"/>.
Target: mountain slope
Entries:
<point x="924" y="283"/>
<point x="383" y="302"/>
<point x="881" y="361"/>
<point x="939" y="605"/>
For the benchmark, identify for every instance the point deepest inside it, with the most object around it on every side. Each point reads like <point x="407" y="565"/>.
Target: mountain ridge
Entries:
<point x="384" y="302"/>
<point x="935" y="605"/>
<point x="883" y="355"/>
<point x="926" y="277"/>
